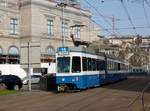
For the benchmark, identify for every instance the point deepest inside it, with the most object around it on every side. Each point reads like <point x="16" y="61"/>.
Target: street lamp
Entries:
<point x="62" y="5"/>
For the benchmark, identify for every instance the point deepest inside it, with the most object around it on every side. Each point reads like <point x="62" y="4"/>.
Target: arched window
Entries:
<point x="1" y="51"/>
<point x="13" y="51"/>
<point x="50" y="51"/>
<point x="13" y="55"/>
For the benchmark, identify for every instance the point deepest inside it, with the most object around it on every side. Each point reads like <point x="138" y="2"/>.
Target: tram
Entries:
<point x="78" y="68"/>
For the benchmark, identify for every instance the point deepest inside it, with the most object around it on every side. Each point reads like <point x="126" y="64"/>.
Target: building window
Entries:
<point x="13" y="51"/>
<point x="1" y="51"/>
<point x="0" y="19"/>
<point x="2" y="57"/>
<point x="77" y="32"/>
<point x="13" y="26"/>
<point x="50" y="51"/>
<point x="13" y="57"/>
<point x="65" y="29"/>
<point x="50" y="27"/>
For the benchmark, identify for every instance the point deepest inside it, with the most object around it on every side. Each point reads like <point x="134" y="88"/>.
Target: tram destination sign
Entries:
<point x="63" y="51"/>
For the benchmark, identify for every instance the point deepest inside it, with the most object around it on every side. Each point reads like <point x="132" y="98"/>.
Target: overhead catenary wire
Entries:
<point x="128" y="28"/>
<point x="103" y="28"/>
<point x="147" y="3"/>
<point x="107" y="29"/>
<point x="145" y="14"/>
<point x="129" y="17"/>
<point x="101" y="15"/>
<point x="133" y="20"/>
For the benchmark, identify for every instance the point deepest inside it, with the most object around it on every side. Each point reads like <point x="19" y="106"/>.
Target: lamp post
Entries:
<point x="29" y="67"/>
<point x="62" y="5"/>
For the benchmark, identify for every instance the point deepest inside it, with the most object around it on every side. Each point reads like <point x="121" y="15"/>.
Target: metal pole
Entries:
<point x="63" y="38"/>
<point x="62" y="5"/>
<point x="5" y="4"/>
<point x="113" y="20"/>
<point x="29" y="68"/>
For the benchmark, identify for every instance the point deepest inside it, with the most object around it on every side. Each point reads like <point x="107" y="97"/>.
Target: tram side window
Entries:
<point x="119" y="68"/>
<point x="108" y="65"/>
<point x="76" y="64"/>
<point x="85" y="63"/>
<point x="97" y="66"/>
<point x="116" y="66"/>
<point x="89" y="64"/>
<point x="122" y="67"/>
<point x="100" y="65"/>
<point x="113" y="66"/>
<point x="93" y="62"/>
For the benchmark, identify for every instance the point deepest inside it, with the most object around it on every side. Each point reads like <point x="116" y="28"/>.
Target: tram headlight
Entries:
<point x="77" y="78"/>
<point x="63" y="79"/>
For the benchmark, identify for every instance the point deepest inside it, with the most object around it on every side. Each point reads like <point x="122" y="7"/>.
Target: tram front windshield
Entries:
<point x="63" y="64"/>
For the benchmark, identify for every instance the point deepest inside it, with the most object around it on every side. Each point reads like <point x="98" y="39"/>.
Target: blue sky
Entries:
<point x="110" y="8"/>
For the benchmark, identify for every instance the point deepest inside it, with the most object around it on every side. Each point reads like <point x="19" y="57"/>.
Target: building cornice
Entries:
<point x="55" y="38"/>
<point x="9" y="10"/>
<point x="9" y="37"/>
<point x="53" y="5"/>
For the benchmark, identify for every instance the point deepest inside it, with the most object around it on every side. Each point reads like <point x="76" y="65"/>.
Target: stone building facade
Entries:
<point x="44" y="22"/>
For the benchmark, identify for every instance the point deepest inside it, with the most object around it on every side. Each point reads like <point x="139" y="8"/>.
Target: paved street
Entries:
<point x="114" y="97"/>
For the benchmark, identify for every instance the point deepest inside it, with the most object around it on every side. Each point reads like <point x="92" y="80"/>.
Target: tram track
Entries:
<point x="140" y="96"/>
<point x="90" y="104"/>
<point x="93" y="102"/>
<point x="91" y="96"/>
<point x="114" y="97"/>
<point x="84" y="100"/>
<point x="23" y="102"/>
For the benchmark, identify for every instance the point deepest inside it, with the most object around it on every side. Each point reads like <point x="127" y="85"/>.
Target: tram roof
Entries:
<point x="85" y="50"/>
<point x="90" y="51"/>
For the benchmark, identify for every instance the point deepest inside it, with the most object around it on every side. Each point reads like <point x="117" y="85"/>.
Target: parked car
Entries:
<point x="35" y="79"/>
<point x="10" y="82"/>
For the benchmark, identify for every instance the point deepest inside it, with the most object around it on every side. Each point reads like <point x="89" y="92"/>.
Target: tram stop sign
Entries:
<point x="30" y="55"/>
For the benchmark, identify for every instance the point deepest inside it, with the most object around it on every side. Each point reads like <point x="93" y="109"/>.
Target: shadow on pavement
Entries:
<point x="133" y="83"/>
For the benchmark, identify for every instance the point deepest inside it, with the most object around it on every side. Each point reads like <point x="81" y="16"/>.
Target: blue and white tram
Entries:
<point x="80" y="69"/>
